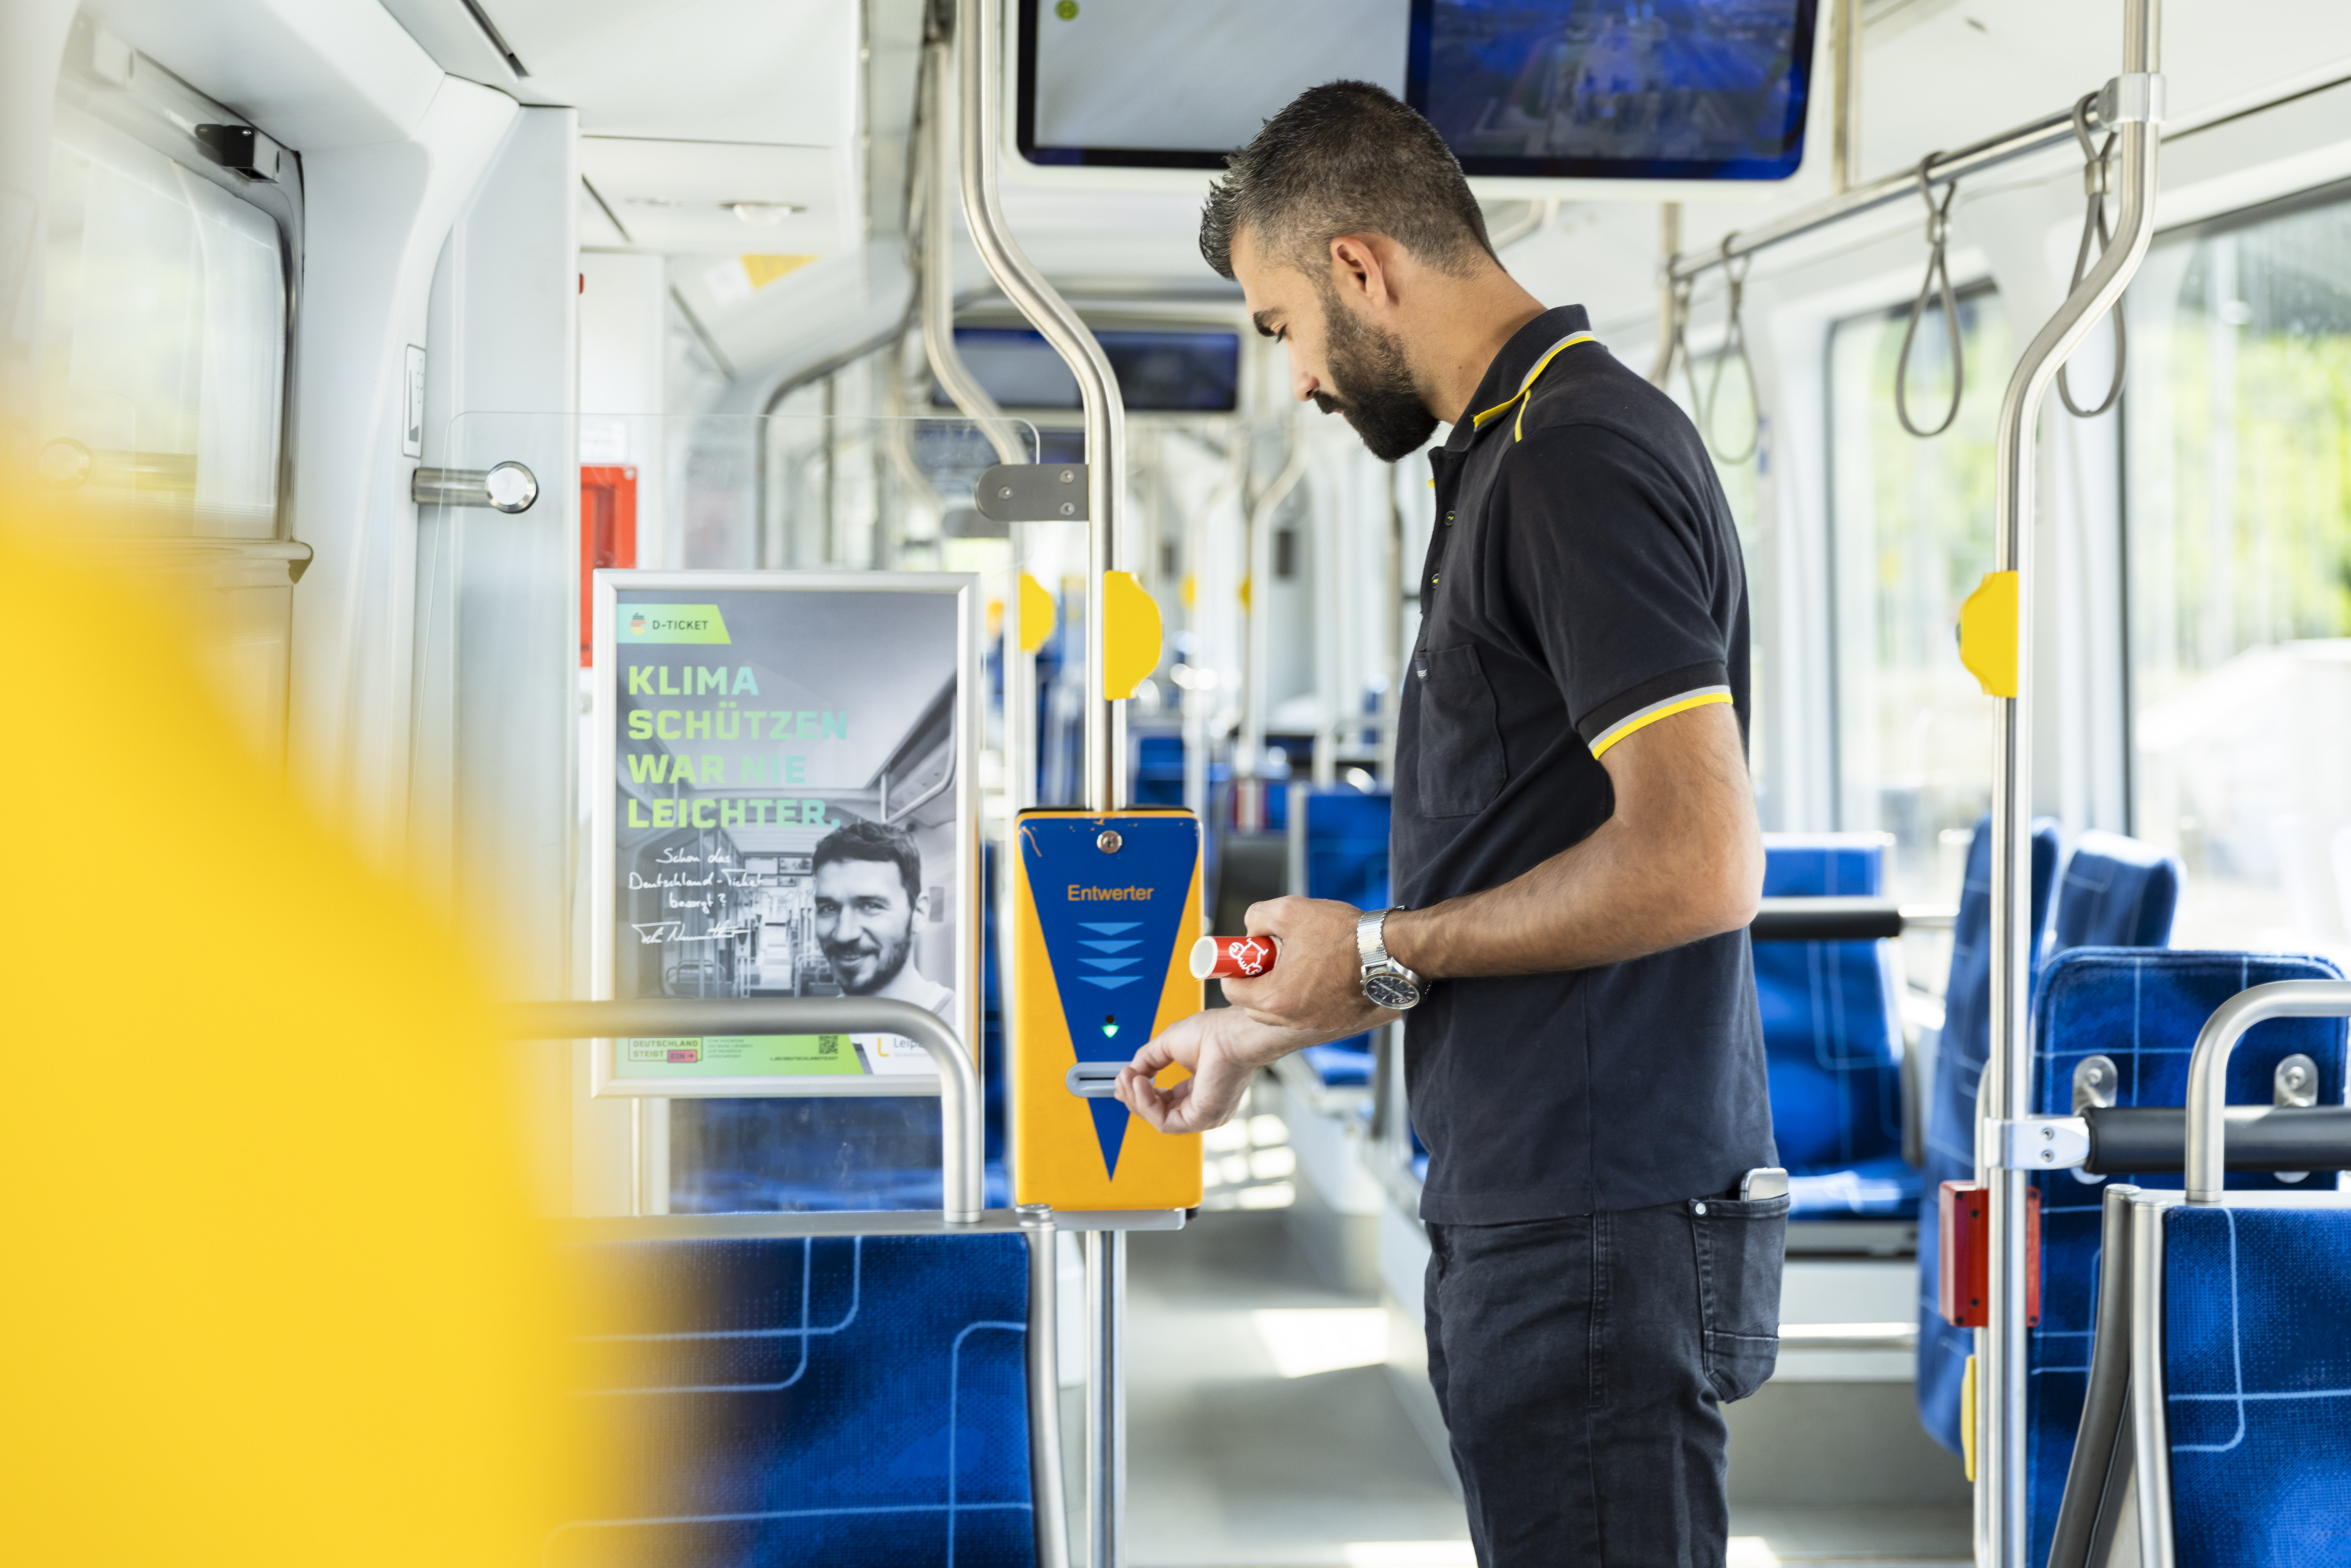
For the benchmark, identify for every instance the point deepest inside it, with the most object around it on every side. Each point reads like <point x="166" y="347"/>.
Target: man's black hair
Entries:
<point x="873" y="841"/>
<point x="1345" y="158"/>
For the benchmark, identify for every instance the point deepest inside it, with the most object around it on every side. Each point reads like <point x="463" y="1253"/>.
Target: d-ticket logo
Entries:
<point x="674" y="623"/>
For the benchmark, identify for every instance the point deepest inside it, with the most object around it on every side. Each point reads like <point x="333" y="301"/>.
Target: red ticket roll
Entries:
<point x="1232" y="957"/>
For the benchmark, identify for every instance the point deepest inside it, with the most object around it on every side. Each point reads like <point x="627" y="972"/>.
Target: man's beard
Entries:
<point x="886" y="958"/>
<point x="1376" y="393"/>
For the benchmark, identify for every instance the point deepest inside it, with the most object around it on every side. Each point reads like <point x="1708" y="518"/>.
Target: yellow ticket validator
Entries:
<point x="1105" y="913"/>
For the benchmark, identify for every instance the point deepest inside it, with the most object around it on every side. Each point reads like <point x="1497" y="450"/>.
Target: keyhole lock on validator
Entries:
<point x="1108" y="842"/>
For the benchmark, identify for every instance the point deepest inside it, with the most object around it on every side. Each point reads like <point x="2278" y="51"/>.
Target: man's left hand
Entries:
<point x="1317" y="987"/>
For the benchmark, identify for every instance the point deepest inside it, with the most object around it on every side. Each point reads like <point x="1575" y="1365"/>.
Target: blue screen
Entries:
<point x="1623" y="88"/>
<point x="1163" y="372"/>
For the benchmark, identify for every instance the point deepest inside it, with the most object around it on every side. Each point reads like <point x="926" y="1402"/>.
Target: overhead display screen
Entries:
<point x="1706" y="89"/>
<point x="1158" y="372"/>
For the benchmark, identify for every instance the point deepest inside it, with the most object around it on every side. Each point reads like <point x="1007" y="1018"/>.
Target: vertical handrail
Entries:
<point x="937" y="283"/>
<point x="2208" y="1069"/>
<point x="961" y="1141"/>
<point x="979" y="28"/>
<point x="1257" y="641"/>
<point x="2136" y="97"/>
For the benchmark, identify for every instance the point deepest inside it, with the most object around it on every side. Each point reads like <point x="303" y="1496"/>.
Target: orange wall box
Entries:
<point x="1105" y="911"/>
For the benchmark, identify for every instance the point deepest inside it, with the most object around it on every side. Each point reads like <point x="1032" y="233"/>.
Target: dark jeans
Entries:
<point x="1582" y="1364"/>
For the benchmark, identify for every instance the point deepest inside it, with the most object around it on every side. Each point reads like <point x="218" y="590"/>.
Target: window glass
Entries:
<point x="1911" y="532"/>
<point x="2238" y="437"/>
<point x="1730" y="426"/>
<point x="163" y="344"/>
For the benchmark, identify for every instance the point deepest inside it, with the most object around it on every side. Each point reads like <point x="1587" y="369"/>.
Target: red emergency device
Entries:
<point x="1962" y="1294"/>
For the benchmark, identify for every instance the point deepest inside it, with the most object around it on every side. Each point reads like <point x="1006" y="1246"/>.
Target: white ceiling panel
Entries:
<point x="677" y="195"/>
<point x="725" y="70"/>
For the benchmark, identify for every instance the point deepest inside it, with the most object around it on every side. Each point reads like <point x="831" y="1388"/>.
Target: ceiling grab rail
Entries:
<point x="1734" y="344"/>
<point x="1938" y="271"/>
<point x="2133" y="103"/>
<point x="2097" y="182"/>
<point x="979" y="39"/>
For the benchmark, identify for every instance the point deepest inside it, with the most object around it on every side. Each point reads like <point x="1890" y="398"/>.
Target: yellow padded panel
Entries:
<point x="274" y="1298"/>
<point x="1131" y="635"/>
<point x="1988" y="633"/>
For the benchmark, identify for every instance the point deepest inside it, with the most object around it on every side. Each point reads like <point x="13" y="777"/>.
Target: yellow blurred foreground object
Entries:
<point x="270" y="1299"/>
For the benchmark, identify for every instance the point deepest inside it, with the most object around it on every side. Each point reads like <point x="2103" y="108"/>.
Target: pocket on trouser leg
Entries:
<point x="1741" y="1246"/>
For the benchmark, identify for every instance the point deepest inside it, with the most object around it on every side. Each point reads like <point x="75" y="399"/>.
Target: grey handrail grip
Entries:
<point x="960" y="1141"/>
<point x="2208" y="1070"/>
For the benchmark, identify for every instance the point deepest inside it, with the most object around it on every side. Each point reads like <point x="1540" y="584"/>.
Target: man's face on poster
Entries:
<point x="864" y="922"/>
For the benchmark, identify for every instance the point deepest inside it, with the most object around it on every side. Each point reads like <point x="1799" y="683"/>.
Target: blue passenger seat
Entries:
<point x="2257" y="1382"/>
<point x="2140" y="1009"/>
<point x="2115" y="893"/>
<point x="798" y="1401"/>
<point x="1833" y="1041"/>
<point x="1950" y="1142"/>
<point x="1346" y="856"/>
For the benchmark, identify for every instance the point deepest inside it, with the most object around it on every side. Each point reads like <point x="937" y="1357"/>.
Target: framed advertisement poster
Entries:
<point x="784" y="804"/>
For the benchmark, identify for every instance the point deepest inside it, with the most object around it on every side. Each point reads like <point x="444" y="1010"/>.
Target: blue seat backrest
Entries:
<point x="835" y="1401"/>
<point x="2257" y="1368"/>
<point x="2115" y="893"/>
<point x="2143" y="1009"/>
<point x="1346" y="859"/>
<point x="1832" y="1040"/>
<point x="1950" y="1141"/>
<point x="1346" y="847"/>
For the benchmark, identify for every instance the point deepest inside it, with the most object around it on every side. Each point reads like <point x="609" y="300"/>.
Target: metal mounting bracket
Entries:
<point x="2033" y="1142"/>
<point x="1032" y="493"/>
<point x="2136" y="97"/>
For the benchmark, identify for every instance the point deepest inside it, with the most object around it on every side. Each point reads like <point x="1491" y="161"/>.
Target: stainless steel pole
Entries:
<point x="979" y="39"/>
<point x="2133" y="103"/>
<point x="938" y="264"/>
<point x="979" y="29"/>
<point x="1846" y="142"/>
<point x="1249" y="762"/>
<point x="1106" y="1398"/>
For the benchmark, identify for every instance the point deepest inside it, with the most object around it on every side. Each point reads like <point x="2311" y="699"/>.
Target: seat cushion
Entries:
<point x="1832" y="1040"/>
<point x="2142" y="1008"/>
<point x="837" y="1401"/>
<point x="2257" y="1367"/>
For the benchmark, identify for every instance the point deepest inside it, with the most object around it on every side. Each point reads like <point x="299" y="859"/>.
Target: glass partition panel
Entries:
<point x="2239" y="537"/>
<point x="1911" y="534"/>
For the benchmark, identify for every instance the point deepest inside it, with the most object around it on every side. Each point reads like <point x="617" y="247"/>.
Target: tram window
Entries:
<point x="163" y="344"/>
<point x="2238" y="537"/>
<point x="1729" y="426"/>
<point x="1911" y="534"/>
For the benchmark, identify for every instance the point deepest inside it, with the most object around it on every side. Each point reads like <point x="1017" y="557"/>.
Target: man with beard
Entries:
<point x="1574" y="843"/>
<point x="869" y="897"/>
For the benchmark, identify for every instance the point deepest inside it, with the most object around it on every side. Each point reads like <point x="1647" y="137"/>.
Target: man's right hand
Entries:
<point x="1222" y="1048"/>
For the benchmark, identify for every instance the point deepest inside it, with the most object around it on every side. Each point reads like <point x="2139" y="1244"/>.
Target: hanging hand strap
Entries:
<point x="2096" y="170"/>
<point x="1734" y="342"/>
<point x="1939" y="274"/>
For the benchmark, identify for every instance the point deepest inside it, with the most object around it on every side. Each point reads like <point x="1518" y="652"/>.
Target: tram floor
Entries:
<point x="1264" y="1431"/>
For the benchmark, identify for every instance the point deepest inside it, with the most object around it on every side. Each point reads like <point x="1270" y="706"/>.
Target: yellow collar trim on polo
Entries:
<point x="1477" y="421"/>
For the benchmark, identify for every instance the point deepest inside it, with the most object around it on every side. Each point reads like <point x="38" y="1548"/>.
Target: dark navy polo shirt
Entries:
<point x="1584" y="581"/>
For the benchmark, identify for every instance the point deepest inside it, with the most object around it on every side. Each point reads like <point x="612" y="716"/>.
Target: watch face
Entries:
<point x="1391" y="990"/>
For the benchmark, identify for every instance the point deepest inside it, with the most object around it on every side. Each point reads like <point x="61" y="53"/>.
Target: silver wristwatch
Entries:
<point x="1386" y="983"/>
